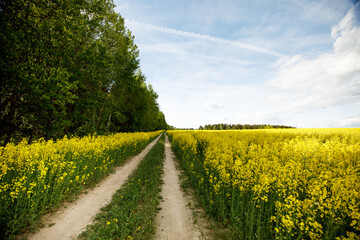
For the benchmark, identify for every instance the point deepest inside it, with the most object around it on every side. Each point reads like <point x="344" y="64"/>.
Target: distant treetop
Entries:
<point x="224" y="126"/>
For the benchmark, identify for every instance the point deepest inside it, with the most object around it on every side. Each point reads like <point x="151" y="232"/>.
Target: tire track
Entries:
<point x="174" y="221"/>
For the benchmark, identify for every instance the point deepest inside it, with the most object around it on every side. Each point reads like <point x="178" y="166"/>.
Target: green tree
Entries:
<point x="70" y="67"/>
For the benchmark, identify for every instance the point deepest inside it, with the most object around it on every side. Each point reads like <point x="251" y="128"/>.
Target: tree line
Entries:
<point x="70" y="67"/>
<point x="224" y="126"/>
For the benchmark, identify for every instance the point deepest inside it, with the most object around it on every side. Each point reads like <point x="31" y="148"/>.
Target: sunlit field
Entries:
<point x="39" y="176"/>
<point x="283" y="184"/>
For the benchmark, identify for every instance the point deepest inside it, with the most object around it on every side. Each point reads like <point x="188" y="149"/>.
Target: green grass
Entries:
<point x="131" y="213"/>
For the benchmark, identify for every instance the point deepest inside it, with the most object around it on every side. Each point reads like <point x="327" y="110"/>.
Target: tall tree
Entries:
<point x="69" y="67"/>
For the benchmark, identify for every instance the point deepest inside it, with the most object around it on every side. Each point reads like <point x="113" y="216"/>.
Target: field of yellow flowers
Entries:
<point x="39" y="176"/>
<point x="276" y="184"/>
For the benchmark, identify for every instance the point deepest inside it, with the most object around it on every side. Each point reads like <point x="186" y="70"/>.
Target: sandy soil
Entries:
<point x="174" y="221"/>
<point x="71" y="220"/>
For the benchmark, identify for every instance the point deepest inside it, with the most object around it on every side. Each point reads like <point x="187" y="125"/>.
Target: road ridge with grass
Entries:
<point x="133" y="208"/>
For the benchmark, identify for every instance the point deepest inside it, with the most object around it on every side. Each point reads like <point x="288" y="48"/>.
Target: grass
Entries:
<point x="131" y="213"/>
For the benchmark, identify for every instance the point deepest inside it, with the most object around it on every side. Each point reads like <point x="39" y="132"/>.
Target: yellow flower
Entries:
<point x="304" y="174"/>
<point x="30" y="173"/>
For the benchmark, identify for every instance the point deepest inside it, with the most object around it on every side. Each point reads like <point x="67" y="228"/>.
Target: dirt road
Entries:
<point x="174" y="221"/>
<point x="69" y="222"/>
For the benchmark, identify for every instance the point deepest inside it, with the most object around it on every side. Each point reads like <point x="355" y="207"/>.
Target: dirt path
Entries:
<point x="174" y="221"/>
<point x="69" y="222"/>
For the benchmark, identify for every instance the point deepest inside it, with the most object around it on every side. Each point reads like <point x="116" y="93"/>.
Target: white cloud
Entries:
<point x="329" y="79"/>
<point x="212" y="105"/>
<point x="346" y="24"/>
<point x="349" y="122"/>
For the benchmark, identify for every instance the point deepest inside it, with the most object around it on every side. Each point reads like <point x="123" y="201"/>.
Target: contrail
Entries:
<point x="205" y="37"/>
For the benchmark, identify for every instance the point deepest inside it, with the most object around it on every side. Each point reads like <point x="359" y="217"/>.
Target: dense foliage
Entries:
<point x="70" y="67"/>
<point x="39" y="176"/>
<point x="225" y="126"/>
<point x="276" y="184"/>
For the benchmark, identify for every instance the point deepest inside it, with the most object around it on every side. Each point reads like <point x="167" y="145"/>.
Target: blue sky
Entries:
<point x="285" y="62"/>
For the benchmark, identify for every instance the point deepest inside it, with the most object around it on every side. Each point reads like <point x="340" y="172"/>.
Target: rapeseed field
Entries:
<point x="40" y="176"/>
<point x="276" y="184"/>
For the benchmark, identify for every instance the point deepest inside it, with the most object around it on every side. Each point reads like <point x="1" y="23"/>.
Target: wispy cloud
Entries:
<point x="205" y="37"/>
<point x="182" y="49"/>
